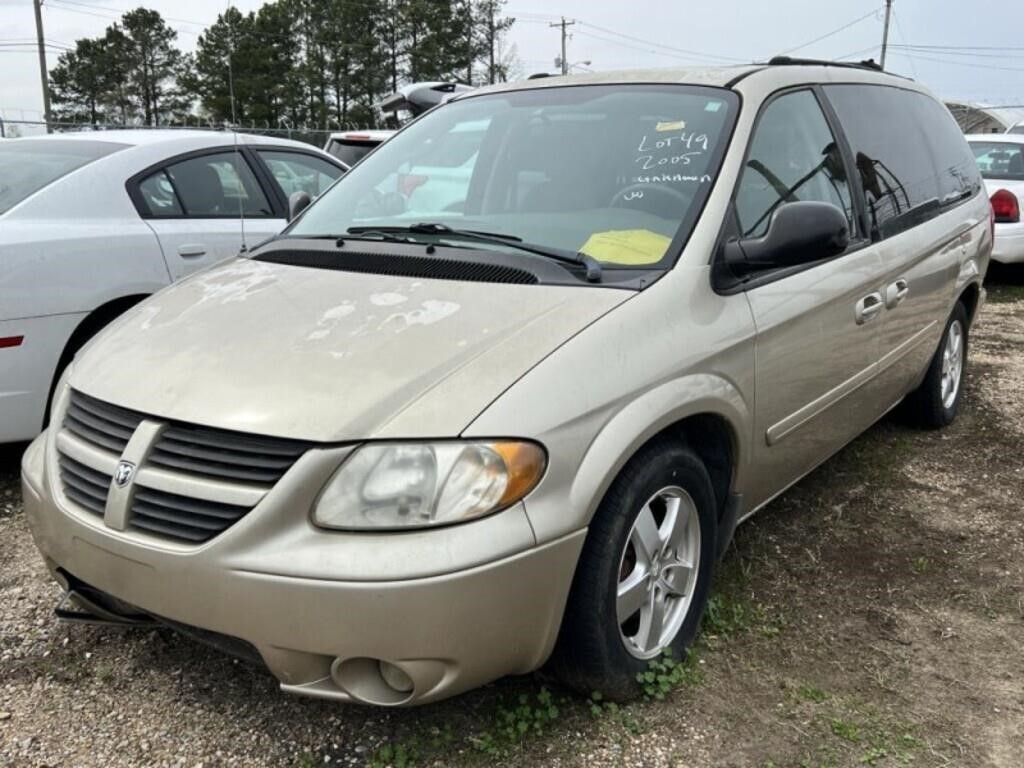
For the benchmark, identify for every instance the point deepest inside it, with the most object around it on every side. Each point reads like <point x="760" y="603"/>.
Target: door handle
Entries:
<point x="191" y="250"/>
<point x="896" y="293"/>
<point x="868" y="307"/>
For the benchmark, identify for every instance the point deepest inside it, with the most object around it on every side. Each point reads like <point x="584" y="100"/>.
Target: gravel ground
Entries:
<point x="874" y="615"/>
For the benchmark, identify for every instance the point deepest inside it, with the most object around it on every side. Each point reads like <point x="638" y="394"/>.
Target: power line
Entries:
<point x="121" y="11"/>
<point x="836" y="31"/>
<point x="960" y="63"/>
<point x="661" y="45"/>
<point x="622" y="44"/>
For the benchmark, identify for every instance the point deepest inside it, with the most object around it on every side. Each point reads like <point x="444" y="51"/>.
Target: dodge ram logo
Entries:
<point x="123" y="473"/>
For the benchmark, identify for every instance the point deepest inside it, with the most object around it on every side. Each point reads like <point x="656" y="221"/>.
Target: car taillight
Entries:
<point x="1005" y="207"/>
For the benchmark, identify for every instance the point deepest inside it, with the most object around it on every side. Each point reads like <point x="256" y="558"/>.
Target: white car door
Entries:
<point x="196" y="206"/>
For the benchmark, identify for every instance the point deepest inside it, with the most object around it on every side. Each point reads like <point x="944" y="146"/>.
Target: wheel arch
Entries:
<point x="705" y="412"/>
<point x="88" y="327"/>
<point x="970" y="296"/>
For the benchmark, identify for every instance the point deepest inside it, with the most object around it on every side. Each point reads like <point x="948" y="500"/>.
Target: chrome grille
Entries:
<point x="85" y="486"/>
<point x="98" y="423"/>
<point x="228" y="468"/>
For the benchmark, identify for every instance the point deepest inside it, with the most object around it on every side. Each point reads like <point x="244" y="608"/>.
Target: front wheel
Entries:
<point x="643" y="577"/>
<point x="935" y="403"/>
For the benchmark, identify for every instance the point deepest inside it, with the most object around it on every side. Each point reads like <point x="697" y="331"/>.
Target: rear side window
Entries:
<point x="911" y="158"/>
<point x="793" y="156"/>
<point x="958" y="175"/>
<point x="999" y="159"/>
<point x="219" y="185"/>
<point x="299" y="172"/>
<point x="28" y="165"/>
<point x="158" y="193"/>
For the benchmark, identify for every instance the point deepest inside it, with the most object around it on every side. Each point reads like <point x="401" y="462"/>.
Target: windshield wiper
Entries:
<point x="591" y="266"/>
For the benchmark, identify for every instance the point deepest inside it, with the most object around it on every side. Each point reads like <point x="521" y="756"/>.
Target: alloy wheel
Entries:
<point x="658" y="572"/>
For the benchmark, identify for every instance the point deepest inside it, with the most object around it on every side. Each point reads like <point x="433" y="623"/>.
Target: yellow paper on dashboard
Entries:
<point x="630" y="247"/>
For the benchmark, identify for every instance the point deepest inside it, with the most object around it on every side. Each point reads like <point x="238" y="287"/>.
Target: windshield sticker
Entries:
<point x="629" y="247"/>
<point x="670" y="125"/>
<point x="712" y="106"/>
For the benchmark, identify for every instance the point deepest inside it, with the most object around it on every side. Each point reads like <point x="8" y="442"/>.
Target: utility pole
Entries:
<point x="38" y="6"/>
<point x="563" y="24"/>
<point x="885" y="32"/>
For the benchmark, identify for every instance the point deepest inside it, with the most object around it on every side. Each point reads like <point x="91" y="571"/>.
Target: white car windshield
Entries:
<point x="28" y="165"/>
<point x="617" y="172"/>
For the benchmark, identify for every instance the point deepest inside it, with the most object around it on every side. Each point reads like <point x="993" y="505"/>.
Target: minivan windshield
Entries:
<point x="28" y="165"/>
<point x="999" y="159"/>
<point x="616" y="172"/>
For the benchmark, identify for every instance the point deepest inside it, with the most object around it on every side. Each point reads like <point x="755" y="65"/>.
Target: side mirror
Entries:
<point x="297" y="203"/>
<point x="798" y="233"/>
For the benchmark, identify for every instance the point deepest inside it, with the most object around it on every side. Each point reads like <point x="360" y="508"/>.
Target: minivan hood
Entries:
<point x="328" y="355"/>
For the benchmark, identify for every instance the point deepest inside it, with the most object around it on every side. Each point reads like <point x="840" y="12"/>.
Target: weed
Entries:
<point x="513" y="726"/>
<point x="845" y="730"/>
<point x="811" y="693"/>
<point x="921" y="564"/>
<point x="664" y="674"/>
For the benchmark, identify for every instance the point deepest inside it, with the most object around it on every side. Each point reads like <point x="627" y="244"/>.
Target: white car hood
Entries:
<point x="327" y="355"/>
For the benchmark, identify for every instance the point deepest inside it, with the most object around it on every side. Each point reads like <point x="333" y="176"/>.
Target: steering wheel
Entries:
<point x="639" y="192"/>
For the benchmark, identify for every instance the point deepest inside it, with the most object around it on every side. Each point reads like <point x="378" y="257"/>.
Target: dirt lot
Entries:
<point x="872" y="616"/>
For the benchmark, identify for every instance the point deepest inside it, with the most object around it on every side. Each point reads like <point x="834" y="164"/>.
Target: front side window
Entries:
<point x="218" y="185"/>
<point x="999" y="159"/>
<point x="793" y="157"/>
<point x="616" y="172"/>
<point x="28" y="165"/>
<point x="298" y="172"/>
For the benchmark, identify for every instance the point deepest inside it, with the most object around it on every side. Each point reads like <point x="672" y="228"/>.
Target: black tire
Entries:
<point x="591" y="654"/>
<point x="924" y="406"/>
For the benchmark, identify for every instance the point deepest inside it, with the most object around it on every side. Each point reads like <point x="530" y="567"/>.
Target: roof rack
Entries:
<point x="790" y="61"/>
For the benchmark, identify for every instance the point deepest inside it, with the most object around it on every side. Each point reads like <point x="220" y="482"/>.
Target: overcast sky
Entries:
<point x="614" y="34"/>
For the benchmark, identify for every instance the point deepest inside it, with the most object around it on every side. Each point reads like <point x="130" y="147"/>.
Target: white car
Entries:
<point x="1000" y="158"/>
<point x="92" y="223"/>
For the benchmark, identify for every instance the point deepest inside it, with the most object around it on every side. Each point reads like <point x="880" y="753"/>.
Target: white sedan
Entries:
<point x="1001" y="161"/>
<point x="92" y="223"/>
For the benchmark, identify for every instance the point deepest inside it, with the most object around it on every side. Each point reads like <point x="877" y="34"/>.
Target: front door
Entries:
<point x="818" y="329"/>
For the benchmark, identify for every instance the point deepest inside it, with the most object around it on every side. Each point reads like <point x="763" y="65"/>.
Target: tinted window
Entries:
<point x="793" y="156"/>
<point x="999" y="159"/>
<point x="957" y="170"/>
<point x="28" y="165"/>
<point x="298" y="172"/>
<point x="350" y="152"/>
<point x="158" y="194"/>
<point x="885" y="129"/>
<point x="219" y="185"/>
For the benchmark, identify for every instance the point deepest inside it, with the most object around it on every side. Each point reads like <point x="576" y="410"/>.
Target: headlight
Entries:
<point x="418" y="485"/>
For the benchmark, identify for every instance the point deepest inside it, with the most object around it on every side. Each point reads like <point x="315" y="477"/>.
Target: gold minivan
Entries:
<point x="501" y="395"/>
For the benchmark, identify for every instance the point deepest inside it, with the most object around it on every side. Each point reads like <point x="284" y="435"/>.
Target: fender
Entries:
<point x="651" y="413"/>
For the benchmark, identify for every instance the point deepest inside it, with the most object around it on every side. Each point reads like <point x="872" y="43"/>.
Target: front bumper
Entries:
<point x="320" y="629"/>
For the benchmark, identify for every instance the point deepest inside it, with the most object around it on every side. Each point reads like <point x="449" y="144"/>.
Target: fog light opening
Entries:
<point x="373" y="681"/>
<point x="396" y="678"/>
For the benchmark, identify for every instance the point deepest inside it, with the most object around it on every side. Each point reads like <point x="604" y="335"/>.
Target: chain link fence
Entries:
<point x="309" y="133"/>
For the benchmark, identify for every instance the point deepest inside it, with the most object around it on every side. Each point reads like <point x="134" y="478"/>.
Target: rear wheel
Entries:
<point x="644" y="574"/>
<point x="935" y="403"/>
